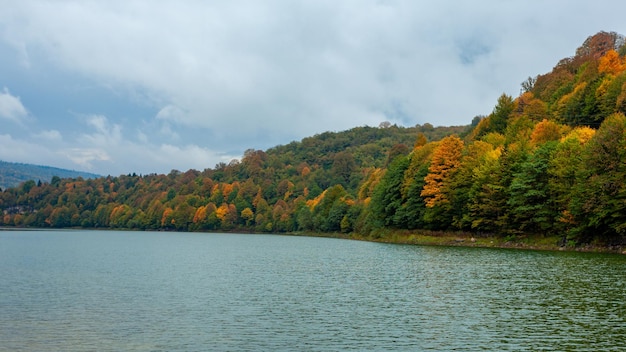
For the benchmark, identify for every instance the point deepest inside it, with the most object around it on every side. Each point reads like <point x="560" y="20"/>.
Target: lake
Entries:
<point x="155" y="291"/>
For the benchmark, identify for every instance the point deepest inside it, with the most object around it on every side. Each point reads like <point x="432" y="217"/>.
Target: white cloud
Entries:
<point x="106" y="134"/>
<point x="12" y="149"/>
<point x="167" y="131"/>
<point x="24" y="151"/>
<point x="171" y="113"/>
<point x="85" y="157"/>
<point x="49" y="135"/>
<point x="105" y="150"/>
<point x="200" y="158"/>
<point x="142" y="137"/>
<point x="127" y="157"/>
<point x="11" y="107"/>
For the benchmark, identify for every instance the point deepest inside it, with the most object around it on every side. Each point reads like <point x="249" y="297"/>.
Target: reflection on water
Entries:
<point x="138" y="291"/>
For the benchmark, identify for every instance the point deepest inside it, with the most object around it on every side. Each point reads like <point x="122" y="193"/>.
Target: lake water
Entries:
<point x="151" y="291"/>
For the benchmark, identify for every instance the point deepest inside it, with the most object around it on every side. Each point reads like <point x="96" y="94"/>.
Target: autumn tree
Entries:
<point x="545" y="131"/>
<point x="445" y="161"/>
<point x="247" y="215"/>
<point x="611" y="63"/>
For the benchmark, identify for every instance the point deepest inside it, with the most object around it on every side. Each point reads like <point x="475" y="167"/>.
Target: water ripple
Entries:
<point x="114" y="291"/>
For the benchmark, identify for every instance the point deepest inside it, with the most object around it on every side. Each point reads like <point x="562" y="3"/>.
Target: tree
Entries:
<point x="445" y="161"/>
<point x="396" y="151"/>
<point x="411" y="212"/>
<point x="545" y="131"/>
<point x="502" y="111"/>
<point x="304" y="219"/>
<point x="248" y="215"/>
<point x="461" y="183"/>
<point x="330" y="209"/>
<point x="387" y="196"/>
<point x="530" y="202"/>
<point x="599" y="198"/>
<point x="167" y="219"/>
<point x="183" y="216"/>
<point x="611" y="63"/>
<point x="563" y="167"/>
<point x="487" y="197"/>
<point x="343" y="167"/>
<point x="528" y="84"/>
<point x="420" y="141"/>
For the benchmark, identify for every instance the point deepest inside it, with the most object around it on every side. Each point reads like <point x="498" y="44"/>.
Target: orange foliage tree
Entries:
<point x="611" y="63"/>
<point x="545" y="131"/>
<point x="445" y="161"/>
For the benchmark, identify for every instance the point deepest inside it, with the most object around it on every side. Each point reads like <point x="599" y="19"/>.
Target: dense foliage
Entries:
<point x="551" y="161"/>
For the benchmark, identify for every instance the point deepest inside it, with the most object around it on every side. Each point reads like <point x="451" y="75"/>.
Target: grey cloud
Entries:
<point x="251" y="74"/>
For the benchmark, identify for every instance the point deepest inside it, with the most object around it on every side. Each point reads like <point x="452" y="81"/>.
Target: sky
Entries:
<point x="129" y="86"/>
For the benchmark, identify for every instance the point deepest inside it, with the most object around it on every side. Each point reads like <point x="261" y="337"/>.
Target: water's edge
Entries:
<point x="421" y="238"/>
<point x="465" y="239"/>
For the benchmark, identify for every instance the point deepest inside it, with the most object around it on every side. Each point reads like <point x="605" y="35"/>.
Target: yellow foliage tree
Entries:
<point x="545" y="131"/>
<point x="581" y="134"/>
<point x="248" y="215"/>
<point x="420" y="141"/>
<point x="222" y="211"/>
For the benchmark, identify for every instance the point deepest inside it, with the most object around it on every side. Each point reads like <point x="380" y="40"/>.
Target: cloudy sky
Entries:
<point x="116" y="87"/>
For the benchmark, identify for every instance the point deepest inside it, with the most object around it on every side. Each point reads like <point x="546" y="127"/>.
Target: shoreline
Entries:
<point x="462" y="239"/>
<point x="528" y="242"/>
<point x="415" y="237"/>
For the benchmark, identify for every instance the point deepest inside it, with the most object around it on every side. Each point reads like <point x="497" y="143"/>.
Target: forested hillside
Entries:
<point x="12" y="174"/>
<point x="550" y="161"/>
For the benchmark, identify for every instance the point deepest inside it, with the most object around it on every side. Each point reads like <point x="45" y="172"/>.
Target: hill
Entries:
<point x="550" y="162"/>
<point x="12" y="174"/>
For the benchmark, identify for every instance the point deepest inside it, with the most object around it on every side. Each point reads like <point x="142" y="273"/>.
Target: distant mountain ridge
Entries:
<point x="12" y="174"/>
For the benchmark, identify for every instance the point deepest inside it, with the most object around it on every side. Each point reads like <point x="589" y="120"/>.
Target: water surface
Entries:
<point x="151" y="291"/>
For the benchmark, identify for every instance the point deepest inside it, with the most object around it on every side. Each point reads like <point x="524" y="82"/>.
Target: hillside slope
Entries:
<point x="551" y="161"/>
<point x="12" y="174"/>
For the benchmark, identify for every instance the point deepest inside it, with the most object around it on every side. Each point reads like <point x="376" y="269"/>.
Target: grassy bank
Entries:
<point x="440" y="238"/>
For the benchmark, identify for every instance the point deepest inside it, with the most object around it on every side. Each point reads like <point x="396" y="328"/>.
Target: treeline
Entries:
<point x="273" y="190"/>
<point x="551" y="161"/>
